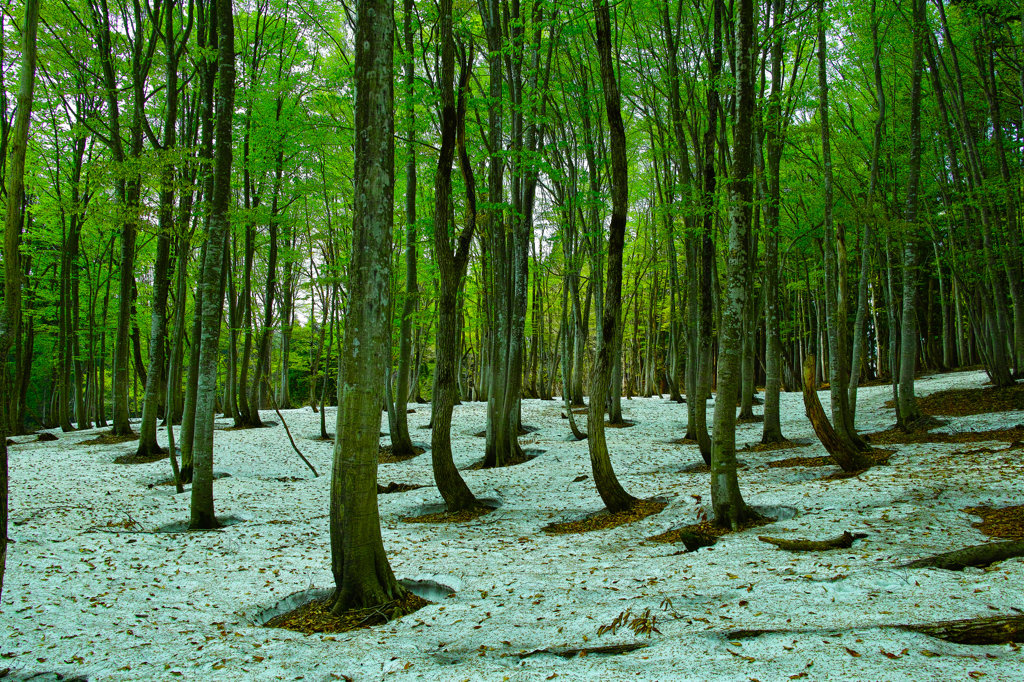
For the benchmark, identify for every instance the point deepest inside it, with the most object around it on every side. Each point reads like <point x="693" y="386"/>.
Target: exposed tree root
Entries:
<point x="802" y="545"/>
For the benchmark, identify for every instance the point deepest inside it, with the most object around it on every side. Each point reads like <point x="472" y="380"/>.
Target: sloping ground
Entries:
<point x="92" y="591"/>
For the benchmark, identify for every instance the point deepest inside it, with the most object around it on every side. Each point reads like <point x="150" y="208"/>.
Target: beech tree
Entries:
<point x="362" y="574"/>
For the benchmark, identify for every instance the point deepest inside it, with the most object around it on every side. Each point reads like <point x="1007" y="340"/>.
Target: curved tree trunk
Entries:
<point x="451" y="267"/>
<point x="612" y="493"/>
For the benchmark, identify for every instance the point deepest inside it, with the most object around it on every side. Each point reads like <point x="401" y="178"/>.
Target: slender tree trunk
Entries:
<point x="202" y="514"/>
<point x="909" y="409"/>
<point x="401" y="443"/>
<point x="774" y="139"/>
<point x="611" y="491"/>
<point x="729" y="508"/>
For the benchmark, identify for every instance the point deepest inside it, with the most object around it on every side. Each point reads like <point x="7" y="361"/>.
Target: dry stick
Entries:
<point x="273" y="401"/>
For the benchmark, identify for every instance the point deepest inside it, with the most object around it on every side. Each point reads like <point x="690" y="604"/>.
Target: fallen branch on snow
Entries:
<point x="802" y="545"/>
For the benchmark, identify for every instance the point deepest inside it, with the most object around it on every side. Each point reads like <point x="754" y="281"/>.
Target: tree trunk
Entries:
<point x="613" y="495"/>
<point x="774" y="138"/>
<point x="401" y="443"/>
<point x="909" y="410"/>
<point x="845" y="455"/>
<point x="726" y="499"/>
<point x="451" y="266"/>
<point x="10" y="316"/>
<point x="362" y="574"/>
<point x="202" y="514"/>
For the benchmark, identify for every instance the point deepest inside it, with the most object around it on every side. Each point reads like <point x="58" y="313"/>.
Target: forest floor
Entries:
<point x="101" y="582"/>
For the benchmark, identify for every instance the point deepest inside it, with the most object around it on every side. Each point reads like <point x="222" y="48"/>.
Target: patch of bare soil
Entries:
<point x="755" y="419"/>
<point x="706" y="532"/>
<point x="682" y="441"/>
<point x="624" y="424"/>
<point x="132" y="458"/>
<point x="897" y="437"/>
<point x="451" y="517"/>
<point x="523" y="430"/>
<point x="605" y="520"/>
<point x="387" y="456"/>
<point x="246" y="427"/>
<point x="108" y="438"/>
<point x="823" y="461"/>
<point x="315" y="616"/>
<point x="773" y="447"/>
<point x="46" y="437"/>
<point x="874" y="457"/>
<point x="1000" y="522"/>
<point x="961" y="402"/>
<point x="480" y="466"/>
<point x="396" y="488"/>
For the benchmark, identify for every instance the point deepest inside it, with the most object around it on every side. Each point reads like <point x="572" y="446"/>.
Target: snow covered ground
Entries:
<point x="84" y="596"/>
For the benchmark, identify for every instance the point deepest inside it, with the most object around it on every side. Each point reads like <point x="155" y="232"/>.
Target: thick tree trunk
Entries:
<point x="158" y="321"/>
<point x="362" y="574"/>
<point x="10" y="315"/>
<point x="845" y="455"/>
<point x="401" y="443"/>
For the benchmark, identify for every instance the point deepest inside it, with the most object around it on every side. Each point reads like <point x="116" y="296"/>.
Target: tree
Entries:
<point x="401" y="443"/>
<point x="14" y="220"/>
<point x="729" y="508"/>
<point x="612" y="493"/>
<point x="202" y="515"/>
<point x="362" y="574"/>
<point x="451" y="263"/>
<point x="909" y="409"/>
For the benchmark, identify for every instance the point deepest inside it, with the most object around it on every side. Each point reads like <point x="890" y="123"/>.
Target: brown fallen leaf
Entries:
<point x="852" y="652"/>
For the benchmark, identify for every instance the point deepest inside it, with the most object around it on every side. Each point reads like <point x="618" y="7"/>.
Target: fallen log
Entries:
<point x="984" y="630"/>
<point x="976" y="555"/>
<point x="801" y="545"/>
<point x="988" y="630"/>
<point x="572" y="652"/>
